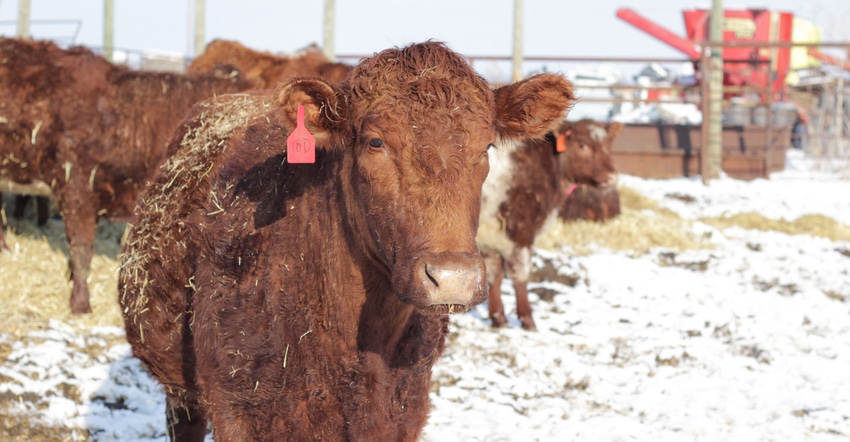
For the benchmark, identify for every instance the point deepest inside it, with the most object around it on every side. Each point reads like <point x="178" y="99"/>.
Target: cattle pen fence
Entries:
<point x="662" y="104"/>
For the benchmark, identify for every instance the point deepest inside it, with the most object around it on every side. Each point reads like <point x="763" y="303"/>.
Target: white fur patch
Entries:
<point x="598" y="133"/>
<point x="521" y="268"/>
<point x="491" y="229"/>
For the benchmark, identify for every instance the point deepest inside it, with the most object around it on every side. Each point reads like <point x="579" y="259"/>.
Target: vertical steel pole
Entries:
<point x="771" y="135"/>
<point x="108" y="29"/>
<point x="704" y="93"/>
<point x="330" y="17"/>
<point x="714" y="159"/>
<point x="516" y="74"/>
<point x="836" y="150"/>
<point x="199" y="27"/>
<point x="23" y="18"/>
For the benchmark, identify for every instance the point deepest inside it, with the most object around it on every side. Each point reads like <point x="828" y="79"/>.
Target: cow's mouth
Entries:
<point x="445" y="309"/>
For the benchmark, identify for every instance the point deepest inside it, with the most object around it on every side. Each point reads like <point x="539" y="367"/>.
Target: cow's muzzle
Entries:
<point x="453" y="279"/>
<point x="611" y="182"/>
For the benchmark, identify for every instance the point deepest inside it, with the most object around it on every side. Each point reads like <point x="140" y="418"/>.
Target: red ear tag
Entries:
<point x="561" y="143"/>
<point x="300" y="145"/>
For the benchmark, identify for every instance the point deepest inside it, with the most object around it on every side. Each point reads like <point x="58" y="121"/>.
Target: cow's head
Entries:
<point x="414" y="126"/>
<point x="587" y="159"/>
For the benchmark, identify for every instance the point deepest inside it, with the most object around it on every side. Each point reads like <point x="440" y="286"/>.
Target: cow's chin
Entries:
<point x="443" y="283"/>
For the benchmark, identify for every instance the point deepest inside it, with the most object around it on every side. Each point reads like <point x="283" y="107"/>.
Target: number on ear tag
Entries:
<point x="300" y="145"/>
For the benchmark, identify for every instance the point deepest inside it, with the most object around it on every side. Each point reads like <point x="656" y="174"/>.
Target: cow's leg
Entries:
<point x="495" y="274"/>
<point x="20" y="206"/>
<point x="80" y="225"/>
<point x="41" y="204"/>
<point x="3" y="219"/>
<point x="519" y="269"/>
<point x="185" y="423"/>
<point x="523" y="307"/>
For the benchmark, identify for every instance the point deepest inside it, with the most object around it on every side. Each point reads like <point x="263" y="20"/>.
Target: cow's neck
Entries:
<point x="383" y="319"/>
<point x="395" y="346"/>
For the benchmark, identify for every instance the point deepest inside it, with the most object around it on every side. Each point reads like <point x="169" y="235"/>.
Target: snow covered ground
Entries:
<point x="747" y="341"/>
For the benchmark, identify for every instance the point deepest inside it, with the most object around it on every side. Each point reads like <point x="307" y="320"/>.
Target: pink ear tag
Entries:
<point x="300" y="145"/>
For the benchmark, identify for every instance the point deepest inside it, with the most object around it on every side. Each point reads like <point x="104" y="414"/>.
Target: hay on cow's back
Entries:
<point x="182" y="173"/>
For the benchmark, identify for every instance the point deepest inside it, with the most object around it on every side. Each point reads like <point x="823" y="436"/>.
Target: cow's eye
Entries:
<point x="485" y="156"/>
<point x="376" y="143"/>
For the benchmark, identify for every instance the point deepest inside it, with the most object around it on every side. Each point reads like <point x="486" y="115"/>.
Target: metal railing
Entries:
<point x="828" y="132"/>
<point x="65" y="38"/>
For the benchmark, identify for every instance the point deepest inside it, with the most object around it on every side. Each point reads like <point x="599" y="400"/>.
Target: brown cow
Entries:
<point x="592" y="203"/>
<point x="91" y="131"/>
<point x="528" y="182"/>
<point x="268" y="69"/>
<point x="309" y="301"/>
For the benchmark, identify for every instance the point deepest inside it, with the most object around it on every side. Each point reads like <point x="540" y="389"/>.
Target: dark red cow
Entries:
<point x="309" y="301"/>
<point x="592" y="203"/>
<point x="91" y="132"/>
<point x="527" y="184"/>
<point x="268" y="69"/>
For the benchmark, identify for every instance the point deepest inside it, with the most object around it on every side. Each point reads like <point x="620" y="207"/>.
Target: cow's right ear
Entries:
<point x="323" y="114"/>
<point x="532" y="107"/>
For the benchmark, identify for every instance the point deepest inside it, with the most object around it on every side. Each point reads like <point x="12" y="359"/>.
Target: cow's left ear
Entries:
<point x="323" y="115"/>
<point x="564" y="127"/>
<point x="532" y="107"/>
<point x="614" y="130"/>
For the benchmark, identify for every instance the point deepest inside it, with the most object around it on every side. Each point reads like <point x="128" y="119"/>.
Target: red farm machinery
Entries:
<point x="760" y="109"/>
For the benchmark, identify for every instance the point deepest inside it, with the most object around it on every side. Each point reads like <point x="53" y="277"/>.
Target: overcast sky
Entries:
<point x="571" y="28"/>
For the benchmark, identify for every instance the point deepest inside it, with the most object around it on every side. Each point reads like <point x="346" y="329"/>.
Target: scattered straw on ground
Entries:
<point x="22" y="429"/>
<point x="644" y="225"/>
<point x="35" y="285"/>
<point x="641" y="226"/>
<point x="814" y="225"/>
